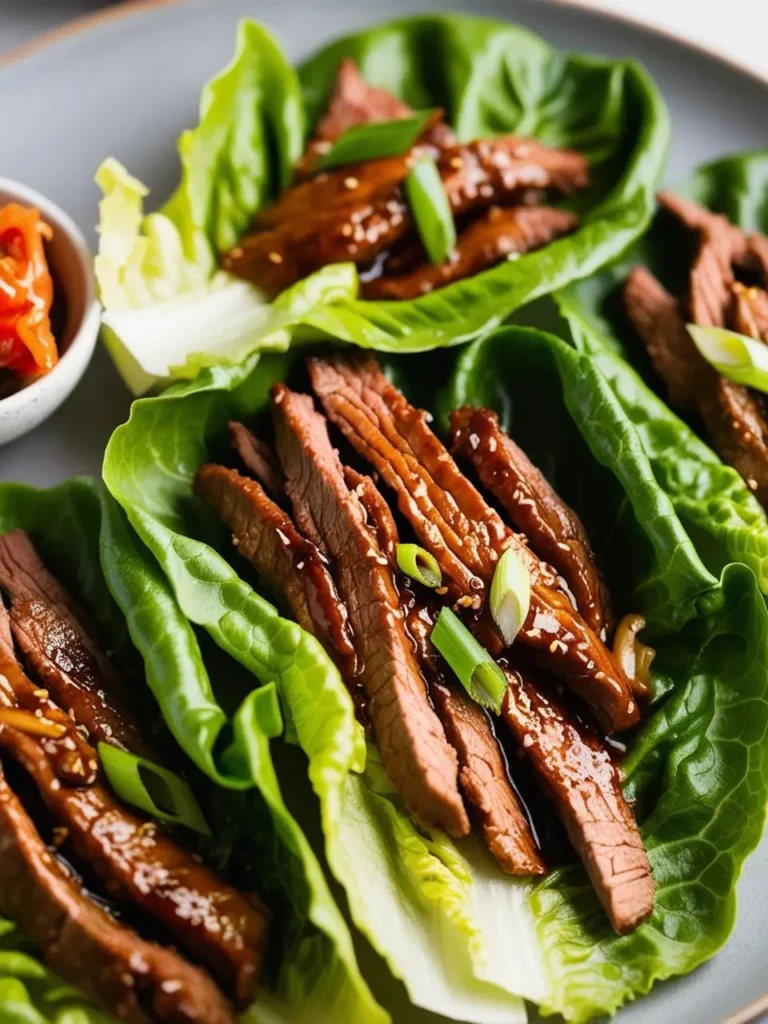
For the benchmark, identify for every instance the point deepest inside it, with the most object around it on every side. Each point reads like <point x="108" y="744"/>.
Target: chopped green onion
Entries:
<point x="431" y="210"/>
<point x="375" y="140"/>
<point x="737" y="357"/>
<point x="152" y="788"/>
<point x="510" y="595"/>
<point x="476" y="670"/>
<point x="419" y="565"/>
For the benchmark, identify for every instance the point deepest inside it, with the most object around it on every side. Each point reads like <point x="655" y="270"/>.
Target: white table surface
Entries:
<point x="733" y="29"/>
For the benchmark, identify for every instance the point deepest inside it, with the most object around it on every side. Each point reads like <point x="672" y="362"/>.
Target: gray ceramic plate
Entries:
<point x="127" y="86"/>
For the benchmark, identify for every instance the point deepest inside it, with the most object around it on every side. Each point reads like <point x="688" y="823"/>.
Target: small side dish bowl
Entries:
<point x="71" y="265"/>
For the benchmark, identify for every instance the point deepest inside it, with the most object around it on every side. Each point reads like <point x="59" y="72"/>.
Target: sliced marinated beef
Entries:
<point x="739" y="431"/>
<point x="288" y="563"/>
<point x="354" y="213"/>
<point x="496" y="235"/>
<point x="476" y="175"/>
<point x="656" y="317"/>
<point x="75" y="760"/>
<point x="720" y="245"/>
<point x="257" y="458"/>
<point x="749" y="311"/>
<point x="698" y="218"/>
<point x="56" y="638"/>
<point x="730" y="412"/>
<point x="379" y="515"/>
<point x="484" y="780"/>
<point x="755" y="260"/>
<point x="354" y="102"/>
<point x="135" y="980"/>
<point x="506" y="170"/>
<point x="483" y="775"/>
<point x="465" y="535"/>
<point x="577" y="773"/>
<point x="138" y="862"/>
<point x="420" y="762"/>
<point x="553" y="529"/>
<point x="275" y="258"/>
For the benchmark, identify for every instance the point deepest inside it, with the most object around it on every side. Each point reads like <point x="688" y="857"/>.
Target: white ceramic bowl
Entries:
<point x="72" y="265"/>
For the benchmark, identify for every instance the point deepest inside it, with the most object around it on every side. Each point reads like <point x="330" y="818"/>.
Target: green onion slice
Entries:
<point x="431" y="210"/>
<point x="375" y="140"/>
<point x="419" y="565"/>
<point x="476" y="670"/>
<point x="510" y="595"/>
<point x="152" y="788"/>
<point x="737" y="357"/>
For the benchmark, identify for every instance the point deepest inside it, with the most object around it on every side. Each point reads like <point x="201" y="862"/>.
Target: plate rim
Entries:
<point x="88" y="22"/>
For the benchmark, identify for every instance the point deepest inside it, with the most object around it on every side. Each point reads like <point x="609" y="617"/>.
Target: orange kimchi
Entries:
<point x="27" y="345"/>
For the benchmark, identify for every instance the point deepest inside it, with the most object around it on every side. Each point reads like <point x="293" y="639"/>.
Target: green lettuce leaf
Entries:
<point x="439" y="912"/>
<point x="165" y="300"/>
<point x="718" y="510"/>
<point x="697" y="768"/>
<point x="312" y="972"/>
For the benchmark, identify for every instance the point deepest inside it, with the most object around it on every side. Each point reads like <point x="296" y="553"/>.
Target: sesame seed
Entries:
<point x="553" y="647"/>
<point x="346" y="230"/>
<point x="456" y="162"/>
<point x="236" y="253"/>
<point x="42" y="694"/>
<point x="275" y="257"/>
<point x="351" y="182"/>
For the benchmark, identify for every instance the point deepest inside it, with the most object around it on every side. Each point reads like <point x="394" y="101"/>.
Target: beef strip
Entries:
<point x="655" y="316"/>
<point x="730" y="412"/>
<point x="755" y="260"/>
<point x="290" y="565"/>
<point x="379" y="514"/>
<point x="578" y="775"/>
<point x="739" y="432"/>
<point x="419" y="761"/>
<point x="75" y="760"/>
<point x="354" y="213"/>
<point x="476" y="175"/>
<point x="257" y="458"/>
<point x="354" y="102"/>
<point x="749" y="311"/>
<point x="553" y="529"/>
<point x="483" y="775"/>
<point x="139" y="862"/>
<point x="135" y="980"/>
<point x="498" y="234"/>
<point x="56" y="638"/>
<point x="698" y="218"/>
<point x="465" y="535"/>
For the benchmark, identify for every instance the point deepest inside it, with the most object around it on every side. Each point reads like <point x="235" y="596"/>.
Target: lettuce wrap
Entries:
<point x="468" y="942"/>
<point x="311" y="971"/>
<point x="717" y="508"/>
<point x="169" y="309"/>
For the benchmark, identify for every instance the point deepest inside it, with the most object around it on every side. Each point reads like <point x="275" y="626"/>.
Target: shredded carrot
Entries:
<point x="27" y="345"/>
